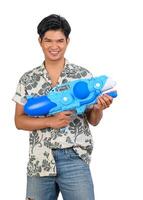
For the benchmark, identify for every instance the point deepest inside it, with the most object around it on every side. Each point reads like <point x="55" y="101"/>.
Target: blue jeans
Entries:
<point x="73" y="179"/>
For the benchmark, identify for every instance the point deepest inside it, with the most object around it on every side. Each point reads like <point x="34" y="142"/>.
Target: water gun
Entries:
<point x="76" y="95"/>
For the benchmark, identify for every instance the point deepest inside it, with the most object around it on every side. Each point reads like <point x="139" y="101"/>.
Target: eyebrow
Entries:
<point x="60" y="39"/>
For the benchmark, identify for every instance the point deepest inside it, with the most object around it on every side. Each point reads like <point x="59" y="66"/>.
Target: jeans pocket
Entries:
<point x="73" y="154"/>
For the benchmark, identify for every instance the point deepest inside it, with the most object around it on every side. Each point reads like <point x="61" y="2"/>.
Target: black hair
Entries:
<point x="53" y="22"/>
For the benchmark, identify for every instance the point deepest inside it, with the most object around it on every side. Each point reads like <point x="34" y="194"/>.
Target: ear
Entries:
<point x="40" y="41"/>
<point x="68" y="40"/>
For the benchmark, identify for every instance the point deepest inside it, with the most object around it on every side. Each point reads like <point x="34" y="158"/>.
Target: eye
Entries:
<point x="47" y="41"/>
<point x="60" y="41"/>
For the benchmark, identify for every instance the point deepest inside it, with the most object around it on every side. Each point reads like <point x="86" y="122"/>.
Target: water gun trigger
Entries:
<point x="80" y="110"/>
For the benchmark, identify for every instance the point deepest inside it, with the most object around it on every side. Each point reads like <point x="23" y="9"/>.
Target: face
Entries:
<point x="54" y="44"/>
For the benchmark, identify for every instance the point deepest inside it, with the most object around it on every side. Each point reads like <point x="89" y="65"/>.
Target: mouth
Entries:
<point x="54" y="53"/>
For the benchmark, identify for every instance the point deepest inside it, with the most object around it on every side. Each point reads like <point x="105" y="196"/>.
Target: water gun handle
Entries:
<point x="112" y="94"/>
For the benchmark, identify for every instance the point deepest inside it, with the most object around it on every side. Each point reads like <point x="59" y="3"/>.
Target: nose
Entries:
<point x="54" y="46"/>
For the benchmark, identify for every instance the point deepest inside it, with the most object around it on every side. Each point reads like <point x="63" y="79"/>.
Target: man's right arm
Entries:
<point x="22" y="121"/>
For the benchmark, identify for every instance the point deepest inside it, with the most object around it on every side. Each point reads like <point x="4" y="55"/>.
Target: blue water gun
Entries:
<point x="76" y="95"/>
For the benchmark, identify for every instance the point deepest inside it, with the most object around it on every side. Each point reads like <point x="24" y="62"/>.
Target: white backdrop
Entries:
<point x="106" y="38"/>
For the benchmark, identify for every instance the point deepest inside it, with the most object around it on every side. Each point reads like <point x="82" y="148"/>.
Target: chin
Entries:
<point x="56" y="58"/>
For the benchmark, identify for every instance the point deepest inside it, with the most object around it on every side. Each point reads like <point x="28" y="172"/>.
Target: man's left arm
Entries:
<point x="95" y="113"/>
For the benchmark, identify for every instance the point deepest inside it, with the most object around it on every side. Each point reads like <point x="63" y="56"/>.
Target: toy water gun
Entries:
<point x="76" y="95"/>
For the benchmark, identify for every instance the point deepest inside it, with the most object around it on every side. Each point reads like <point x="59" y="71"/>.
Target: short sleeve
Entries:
<point x="89" y="74"/>
<point x="86" y="73"/>
<point x="20" y="94"/>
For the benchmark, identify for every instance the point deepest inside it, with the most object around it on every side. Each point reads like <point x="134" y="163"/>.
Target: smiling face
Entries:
<point x="54" y="44"/>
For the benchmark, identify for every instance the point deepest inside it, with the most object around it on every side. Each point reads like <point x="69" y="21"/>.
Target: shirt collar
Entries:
<point x="44" y="71"/>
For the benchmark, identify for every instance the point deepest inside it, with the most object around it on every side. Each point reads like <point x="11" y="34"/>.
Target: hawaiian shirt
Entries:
<point x="77" y="134"/>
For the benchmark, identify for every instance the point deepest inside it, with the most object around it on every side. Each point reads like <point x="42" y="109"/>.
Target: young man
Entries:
<point x="58" y="160"/>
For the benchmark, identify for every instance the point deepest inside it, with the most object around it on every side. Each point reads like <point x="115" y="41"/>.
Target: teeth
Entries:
<point x="54" y="51"/>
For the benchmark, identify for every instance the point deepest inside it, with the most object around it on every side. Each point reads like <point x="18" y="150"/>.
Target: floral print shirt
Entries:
<point x="41" y="142"/>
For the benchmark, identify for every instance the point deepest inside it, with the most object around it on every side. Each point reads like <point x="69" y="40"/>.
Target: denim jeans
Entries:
<point x="73" y="179"/>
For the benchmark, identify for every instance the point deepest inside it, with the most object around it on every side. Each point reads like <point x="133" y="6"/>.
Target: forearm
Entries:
<point x="31" y="123"/>
<point x="94" y="116"/>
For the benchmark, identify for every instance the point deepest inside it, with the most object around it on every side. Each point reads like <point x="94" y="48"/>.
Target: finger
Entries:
<point x="64" y="114"/>
<point x="100" y="104"/>
<point x="107" y="100"/>
<point x="66" y="117"/>
<point x="108" y="97"/>
<point x="103" y="102"/>
<point x="66" y="122"/>
<point x="68" y="112"/>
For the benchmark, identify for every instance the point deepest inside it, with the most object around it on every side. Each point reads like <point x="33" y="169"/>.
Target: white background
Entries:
<point x="106" y="38"/>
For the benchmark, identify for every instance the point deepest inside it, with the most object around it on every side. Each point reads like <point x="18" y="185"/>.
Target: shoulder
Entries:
<point x="77" y="71"/>
<point x="31" y="75"/>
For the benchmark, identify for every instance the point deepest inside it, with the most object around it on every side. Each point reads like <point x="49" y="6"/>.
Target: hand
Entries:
<point x="61" y="119"/>
<point x="103" y="102"/>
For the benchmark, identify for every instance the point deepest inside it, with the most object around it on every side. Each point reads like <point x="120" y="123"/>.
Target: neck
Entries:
<point x="54" y="65"/>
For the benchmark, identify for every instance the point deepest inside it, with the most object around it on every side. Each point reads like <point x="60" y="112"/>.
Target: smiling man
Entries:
<point x="58" y="160"/>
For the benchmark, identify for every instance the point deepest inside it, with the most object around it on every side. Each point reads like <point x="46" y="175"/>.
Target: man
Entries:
<point x="58" y="160"/>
